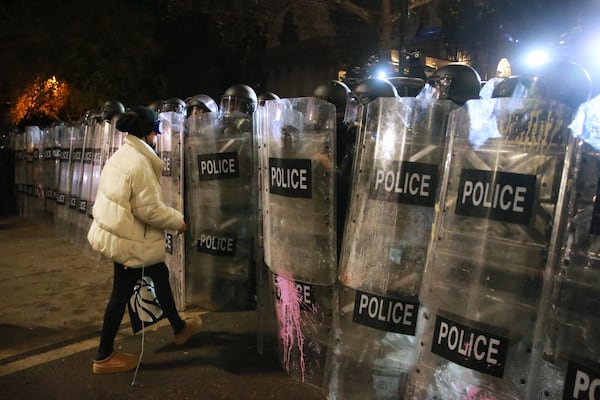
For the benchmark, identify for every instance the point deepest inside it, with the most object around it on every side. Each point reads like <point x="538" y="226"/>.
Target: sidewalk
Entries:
<point x="49" y="332"/>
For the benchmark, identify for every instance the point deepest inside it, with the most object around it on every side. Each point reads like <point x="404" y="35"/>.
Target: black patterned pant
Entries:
<point x="123" y="286"/>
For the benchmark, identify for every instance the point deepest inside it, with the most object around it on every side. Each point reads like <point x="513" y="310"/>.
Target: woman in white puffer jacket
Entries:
<point x="128" y="227"/>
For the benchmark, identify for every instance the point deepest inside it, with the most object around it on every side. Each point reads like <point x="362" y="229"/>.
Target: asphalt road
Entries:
<point x="50" y="317"/>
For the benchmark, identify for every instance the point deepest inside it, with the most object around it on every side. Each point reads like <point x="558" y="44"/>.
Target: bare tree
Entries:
<point x="386" y="17"/>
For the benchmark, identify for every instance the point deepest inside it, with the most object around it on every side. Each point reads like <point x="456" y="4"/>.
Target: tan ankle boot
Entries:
<point x="192" y="326"/>
<point x="116" y="362"/>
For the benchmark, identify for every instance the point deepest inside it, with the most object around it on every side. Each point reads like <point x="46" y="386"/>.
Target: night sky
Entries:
<point x="139" y="51"/>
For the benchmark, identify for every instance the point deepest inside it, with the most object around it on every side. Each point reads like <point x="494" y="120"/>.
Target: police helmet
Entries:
<point x="266" y="96"/>
<point x="239" y="97"/>
<point x="506" y="87"/>
<point x="407" y="86"/>
<point x="365" y="92"/>
<point x="456" y="82"/>
<point x="561" y="80"/>
<point x="334" y="92"/>
<point x="92" y="115"/>
<point x="201" y="103"/>
<point x="155" y="105"/>
<point x="172" y="105"/>
<point x="372" y="88"/>
<point x="112" y="108"/>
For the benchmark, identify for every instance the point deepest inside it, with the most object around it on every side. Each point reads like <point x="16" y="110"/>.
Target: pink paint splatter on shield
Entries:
<point x="289" y="318"/>
<point x="475" y="393"/>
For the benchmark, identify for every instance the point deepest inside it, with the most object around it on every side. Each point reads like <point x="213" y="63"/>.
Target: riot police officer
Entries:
<point x="173" y="104"/>
<point x="200" y="104"/>
<point x="8" y="204"/>
<point x="456" y="82"/>
<point x="233" y="283"/>
<point x="238" y="103"/>
<point x="336" y="93"/>
<point x="542" y="80"/>
<point x="112" y="108"/>
<point x="155" y="105"/>
<point x="357" y="101"/>
<point x="266" y="96"/>
<point x="560" y="80"/>
<point x="238" y="98"/>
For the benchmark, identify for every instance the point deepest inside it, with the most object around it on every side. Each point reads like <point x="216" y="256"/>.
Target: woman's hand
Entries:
<point x="181" y="228"/>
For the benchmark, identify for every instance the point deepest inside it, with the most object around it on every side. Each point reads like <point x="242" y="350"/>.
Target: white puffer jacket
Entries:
<point x="129" y="215"/>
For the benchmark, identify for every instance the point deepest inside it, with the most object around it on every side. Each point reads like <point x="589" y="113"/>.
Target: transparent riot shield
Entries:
<point x="220" y="212"/>
<point x="99" y="148"/>
<point x="265" y="300"/>
<point x="494" y="238"/>
<point x="298" y="196"/>
<point x="34" y="199"/>
<point x="385" y="244"/>
<point x="77" y="167"/>
<point x="8" y="173"/>
<point x="51" y="161"/>
<point x="86" y="179"/>
<point x="115" y="139"/>
<point x="46" y="170"/>
<point x="30" y="133"/>
<point x="106" y="141"/>
<point x="20" y="172"/>
<point x="102" y="139"/>
<point x="171" y="152"/>
<point x="571" y="357"/>
<point x="67" y="148"/>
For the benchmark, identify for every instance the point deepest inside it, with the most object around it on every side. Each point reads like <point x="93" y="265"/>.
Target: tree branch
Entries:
<point x="395" y="17"/>
<point x="355" y="9"/>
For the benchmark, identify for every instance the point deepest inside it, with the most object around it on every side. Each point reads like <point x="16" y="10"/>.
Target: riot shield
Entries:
<point x="265" y="301"/>
<point x="220" y="212"/>
<point x="101" y="147"/>
<point x="494" y="238"/>
<point x="105" y="141"/>
<point x="385" y="242"/>
<point x="170" y="151"/>
<point x="85" y="174"/>
<point x="34" y="199"/>
<point x="77" y="155"/>
<point x="98" y="150"/>
<point x="298" y="197"/>
<point x="297" y="190"/>
<point x="8" y="173"/>
<point x="115" y="139"/>
<point x="571" y="357"/>
<point x="20" y="172"/>
<point x="51" y="161"/>
<point x="67" y="148"/>
<point x="45" y="170"/>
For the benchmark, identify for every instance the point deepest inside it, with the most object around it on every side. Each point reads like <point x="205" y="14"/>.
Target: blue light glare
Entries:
<point x="381" y="74"/>
<point x="537" y="57"/>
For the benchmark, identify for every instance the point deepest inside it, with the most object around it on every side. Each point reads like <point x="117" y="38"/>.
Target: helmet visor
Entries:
<point x="232" y="104"/>
<point x="354" y="106"/>
<point x="440" y="86"/>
